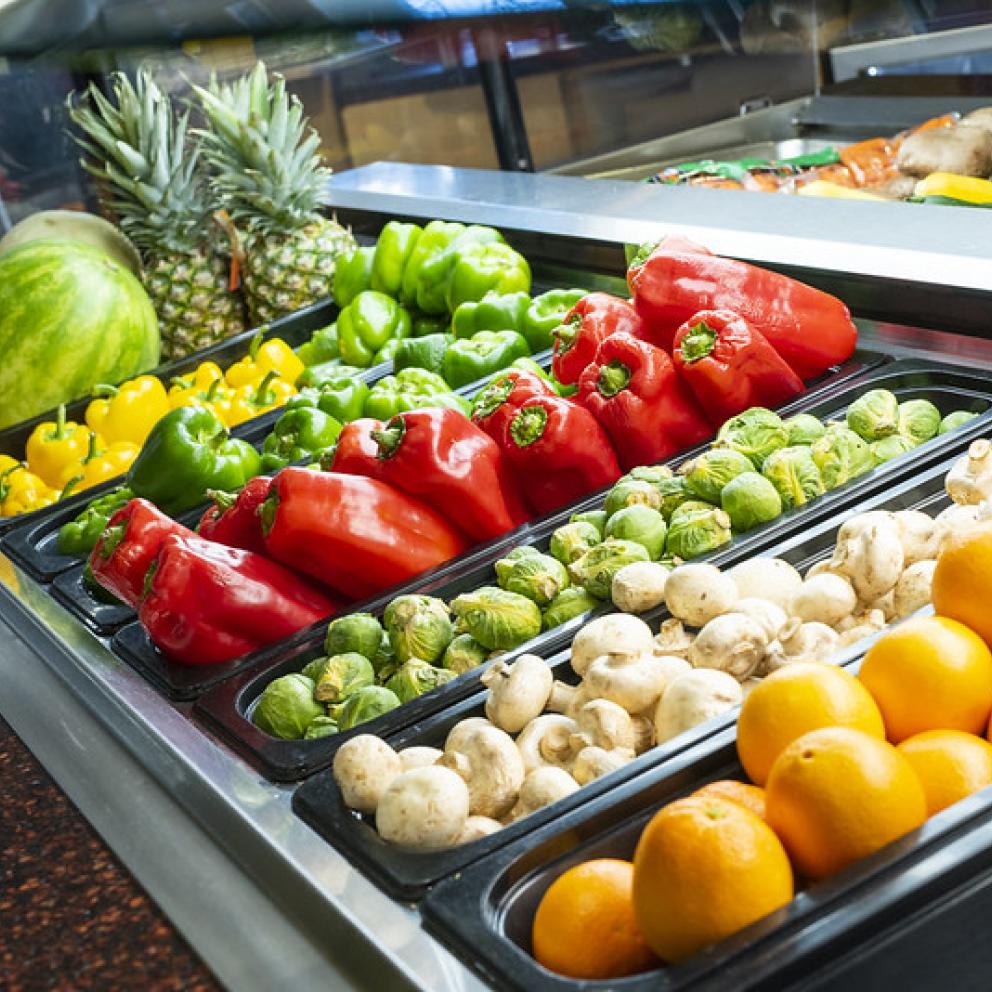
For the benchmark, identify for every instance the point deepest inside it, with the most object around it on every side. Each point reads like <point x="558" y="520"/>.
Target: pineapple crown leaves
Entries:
<point x="267" y="169"/>
<point x="139" y="151"/>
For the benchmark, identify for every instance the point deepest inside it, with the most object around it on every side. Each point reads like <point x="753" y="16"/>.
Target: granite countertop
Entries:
<point x="71" y="915"/>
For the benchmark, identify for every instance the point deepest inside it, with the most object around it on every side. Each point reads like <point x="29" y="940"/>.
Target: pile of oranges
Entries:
<point x="839" y="766"/>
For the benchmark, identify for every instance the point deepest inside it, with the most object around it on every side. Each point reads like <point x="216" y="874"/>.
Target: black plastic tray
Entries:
<point x="484" y="914"/>
<point x="104" y="618"/>
<point x="294" y="329"/>
<point x="407" y="874"/>
<point x="227" y="707"/>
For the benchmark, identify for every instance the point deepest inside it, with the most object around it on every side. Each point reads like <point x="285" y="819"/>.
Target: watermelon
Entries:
<point x="70" y="317"/>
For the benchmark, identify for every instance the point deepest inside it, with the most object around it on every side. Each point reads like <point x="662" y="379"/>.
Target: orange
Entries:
<point x="962" y="580"/>
<point x="950" y="765"/>
<point x="584" y="926"/>
<point x="836" y="795"/>
<point x="705" y="868"/>
<point x="751" y="797"/>
<point x="795" y="700"/>
<point x="931" y="673"/>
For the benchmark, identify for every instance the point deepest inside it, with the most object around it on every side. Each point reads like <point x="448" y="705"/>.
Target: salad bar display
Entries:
<point x="635" y="631"/>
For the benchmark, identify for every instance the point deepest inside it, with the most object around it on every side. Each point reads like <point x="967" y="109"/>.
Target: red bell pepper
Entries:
<point x="559" y="452"/>
<point x="444" y="459"/>
<point x="810" y="329"/>
<point x="128" y="546"/>
<point x="495" y="406"/>
<point x="356" y="451"/>
<point x="233" y="517"/>
<point x="730" y="366"/>
<point x="593" y="319"/>
<point x="356" y="535"/>
<point x="634" y="392"/>
<point x="207" y="603"/>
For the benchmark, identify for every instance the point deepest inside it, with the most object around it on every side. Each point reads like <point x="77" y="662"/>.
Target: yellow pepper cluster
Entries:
<point x="21" y="491"/>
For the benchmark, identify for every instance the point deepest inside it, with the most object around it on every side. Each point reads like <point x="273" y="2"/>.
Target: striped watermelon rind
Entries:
<point x="70" y="317"/>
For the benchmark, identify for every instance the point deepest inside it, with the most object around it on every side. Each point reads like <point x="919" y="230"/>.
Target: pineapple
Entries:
<point x="269" y="177"/>
<point x="151" y="184"/>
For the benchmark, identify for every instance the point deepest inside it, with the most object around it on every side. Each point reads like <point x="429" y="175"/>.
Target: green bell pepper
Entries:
<point x="434" y="239"/>
<point x="494" y="312"/>
<point x="482" y="268"/>
<point x="78" y="537"/>
<point x="303" y="432"/>
<point x="424" y="325"/>
<point x="481" y="355"/>
<point x="96" y="590"/>
<point x="353" y="275"/>
<point x="422" y="353"/>
<point x="315" y="376"/>
<point x="545" y="313"/>
<point x="392" y="252"/>
<point x="367" y="323"/>
<point x="396" y="393"/>
<point x="322" y="347"/>
<point x="342" y="398"/>
<point x="188" y="452"/>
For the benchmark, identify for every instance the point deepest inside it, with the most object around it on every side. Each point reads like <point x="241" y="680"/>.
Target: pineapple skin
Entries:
<point x="189" y="291"/>
<point x="284" y="272"/>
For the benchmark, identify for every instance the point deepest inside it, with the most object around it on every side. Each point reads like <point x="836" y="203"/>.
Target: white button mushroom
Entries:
<point x="616" y="633"/>
<point x="860" y="522"/>
<point x="800" y="641"/>
<point x="462" y="731"/>
<point x="542" y="787"/>
<point x="477" y="827"/>
<point x="604" y="724"/>
<point x="631" y="682"/>
<point x="492" y="768"/>
<point x="732" y="643"/>
<point x="873" y="560"/>
<point x="517" y="692"/>
<point x="920" y="536"/>
<point x="694" y="698"/>
<point x="424" y="808"/>
<point x="955" y="518"/>
<point x="673" y="639"/>
<point x="698" y="592"/>
<point x="546" y="740"/>
<point x="363" y="769"/>
<point x="769" y="578"/>
<point x="970" y="478"/>
<point x="826" y="598"/>
<point x="860" y="626"/>
<point x="912" y="591"/>
<point x="768" y="615"/>
<point x="639" y="587"/>
<point x="595" y="762"/>
<point x="419" y="757"/>
<point x="567" y="699"/>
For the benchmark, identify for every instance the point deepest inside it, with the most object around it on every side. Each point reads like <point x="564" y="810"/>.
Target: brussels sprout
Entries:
<point x="841" y="455"/>
<point x="794" y="474"/>
<point x="755" y="433"/>
<point x="890" y="447"/>
<point x="286" y="707"/>
<point x="696" y="532"/>
<point x="648" y="473"/>
<point x="573" y="540"/>
<point x="365" y="705"/>
<point x="343" y="675"/>
<point x="689" y="507"/>
<point x="629" y="493"/>
<point x="597" y="518"/>
<point x="418" y="627"/>
<point x="322" y="726"/>
<point x="709" y="472"/>
<point x="955" y="420"/>
<point x="522" y="551"/>
<point x="596" y="568"/>
<point x="674" y="492"/>
<point x="463" y="654"/>
<point x="415" y="678"/>
<point x="641" y="524"/>
<point x="804" y="428"/>
<point x="919" y="420"/>
<point x="384" y="661"/>
<point x="497" y="619"/>
<point x="359" y="632"/>
<point x="749" y="500"/>
<point x="567" y="605"/>
<point x="538" y="577"/>
<point x="314" y="669"/>
<point x="874" y="415"/>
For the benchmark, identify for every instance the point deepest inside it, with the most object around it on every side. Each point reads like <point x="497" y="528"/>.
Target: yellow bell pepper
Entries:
<point x="185" y="389"/>
<point x="955" y="187"/>
<point x="22" y="491"/>
<point x="820" y="187"/>
<point x="253" y="400"/>
<point x="53" y="446"/>
<point x="102" y="463"/>
<point x="128" y="412"/>
<point x="264" y="357"/>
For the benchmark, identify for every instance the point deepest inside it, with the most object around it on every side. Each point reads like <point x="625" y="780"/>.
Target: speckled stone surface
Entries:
<point x="71" y="916"/>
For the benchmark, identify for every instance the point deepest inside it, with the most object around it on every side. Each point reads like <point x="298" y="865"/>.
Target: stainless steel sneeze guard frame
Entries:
<point x="265" y="901"/>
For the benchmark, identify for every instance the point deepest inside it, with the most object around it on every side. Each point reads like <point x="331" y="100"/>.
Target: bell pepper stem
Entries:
<point x="211" y="394"/>
<point x="222" y="500"/>
<point x="567" y="332"/>
<point x="528" y="425"/>
<point x="613" y="378"/>
<point x="699" y="342"/>
<point x="267" y="513"/>
<point x="390" y="439"/>
<point x="256" y="343"/>
<point x="91" y="451"/>
<point x="263" y="395"/>
<point x="495" y="394"/>
<point x="112" y="537"/>
<point x="70" y="486"/>
<point x="104" y="390"/>
<point x="59" y="423"/>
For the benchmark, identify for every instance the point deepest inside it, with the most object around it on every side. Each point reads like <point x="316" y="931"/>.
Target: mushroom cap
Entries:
<point x="363" y="768"/>
<point x="424" y="809"/>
